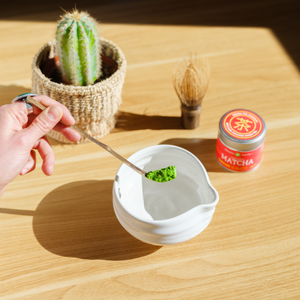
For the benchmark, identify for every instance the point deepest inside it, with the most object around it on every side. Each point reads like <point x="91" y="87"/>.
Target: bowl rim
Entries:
<point x="173" y="219"/>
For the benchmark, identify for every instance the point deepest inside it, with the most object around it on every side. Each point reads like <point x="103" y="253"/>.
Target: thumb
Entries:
<point x="43" y="123"/>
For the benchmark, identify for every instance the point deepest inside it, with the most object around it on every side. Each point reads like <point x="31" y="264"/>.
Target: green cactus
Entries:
<point x="78" y="48"/>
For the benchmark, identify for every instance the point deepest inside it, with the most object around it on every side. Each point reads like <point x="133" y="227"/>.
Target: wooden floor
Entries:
<point x="59" y="235"/>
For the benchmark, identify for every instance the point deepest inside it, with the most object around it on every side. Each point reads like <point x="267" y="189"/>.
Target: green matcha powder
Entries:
<point x="162" y="175"/>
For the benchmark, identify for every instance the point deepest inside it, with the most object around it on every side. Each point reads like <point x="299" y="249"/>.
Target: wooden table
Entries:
<point x="59" y="235"/>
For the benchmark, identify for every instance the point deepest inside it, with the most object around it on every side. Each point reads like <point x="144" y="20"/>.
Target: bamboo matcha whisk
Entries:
<point x="190" y="79"/>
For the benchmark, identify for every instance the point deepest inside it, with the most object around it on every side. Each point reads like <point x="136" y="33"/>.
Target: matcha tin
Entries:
<point x="240" y="140"/>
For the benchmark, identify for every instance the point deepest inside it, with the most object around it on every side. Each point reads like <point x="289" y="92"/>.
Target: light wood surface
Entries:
<point x="59" y="236"/>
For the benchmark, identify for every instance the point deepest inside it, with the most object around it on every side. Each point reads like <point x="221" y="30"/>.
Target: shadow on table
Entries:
<point x="125" y="122"/>
<point x="203" y="149"/>
<point x="78" y="220"/>
<point x="129" y="121"/>
<point x="9" y="92"/>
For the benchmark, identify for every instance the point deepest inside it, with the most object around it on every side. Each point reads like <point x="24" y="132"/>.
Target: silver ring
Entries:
<point x="23" y="97"/>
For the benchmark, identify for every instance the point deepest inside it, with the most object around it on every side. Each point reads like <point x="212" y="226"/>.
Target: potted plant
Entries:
<point x="83" y="71"/>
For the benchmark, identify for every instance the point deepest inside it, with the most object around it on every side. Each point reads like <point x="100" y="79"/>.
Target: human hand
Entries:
<point x="22" y="133"/>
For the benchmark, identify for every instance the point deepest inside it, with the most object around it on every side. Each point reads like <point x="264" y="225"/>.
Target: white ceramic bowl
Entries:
<point x="164" y="213"/>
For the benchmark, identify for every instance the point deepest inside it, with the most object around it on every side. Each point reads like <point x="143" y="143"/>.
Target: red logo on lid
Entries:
<point x="242" y="124"/>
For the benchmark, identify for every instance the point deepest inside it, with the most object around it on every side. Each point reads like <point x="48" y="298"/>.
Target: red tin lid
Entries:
<point x="242" y="124"/>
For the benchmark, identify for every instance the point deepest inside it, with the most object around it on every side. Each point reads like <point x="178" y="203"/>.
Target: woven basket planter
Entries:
<point x="93" y="107"/>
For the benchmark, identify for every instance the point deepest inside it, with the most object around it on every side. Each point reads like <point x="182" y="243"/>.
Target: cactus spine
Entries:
<point x="78" y="48"/>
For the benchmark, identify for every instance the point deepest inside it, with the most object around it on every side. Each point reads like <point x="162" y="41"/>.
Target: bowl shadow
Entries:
<point x="78" y="220"/>
<point x="203" y="149"/>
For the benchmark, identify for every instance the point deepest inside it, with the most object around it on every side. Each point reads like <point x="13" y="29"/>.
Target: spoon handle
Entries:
<point x="83" y="133"/>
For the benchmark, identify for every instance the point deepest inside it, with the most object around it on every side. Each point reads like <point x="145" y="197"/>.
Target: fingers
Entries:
<point x="30" y="165"/>
<point x="46" y="152"/>
<point x="13" y="117"/>
<point x="66" y="118"/>
<point x="41" y="125"/>
<point x="68" y="132"/>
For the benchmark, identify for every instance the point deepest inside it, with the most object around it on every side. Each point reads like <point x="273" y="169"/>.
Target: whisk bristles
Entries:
<point x="190" y="79"/>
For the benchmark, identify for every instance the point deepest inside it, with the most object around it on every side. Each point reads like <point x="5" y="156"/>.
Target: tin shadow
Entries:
<point x="203" y="149"/>
<point x="129" y="121"/>
<point x="78" y="220"/>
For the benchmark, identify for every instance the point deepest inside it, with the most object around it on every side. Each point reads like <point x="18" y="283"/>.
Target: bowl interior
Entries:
<point x="148" y="200"/>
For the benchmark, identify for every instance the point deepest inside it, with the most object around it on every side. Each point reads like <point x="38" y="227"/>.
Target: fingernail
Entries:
<point x="24" y="171"/>
<point x="54" y="113"/>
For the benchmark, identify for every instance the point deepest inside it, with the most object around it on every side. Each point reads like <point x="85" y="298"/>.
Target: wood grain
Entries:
<point x="59" y="236"/>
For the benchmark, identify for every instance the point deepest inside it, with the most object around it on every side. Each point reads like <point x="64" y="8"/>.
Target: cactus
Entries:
<point x="78" y="48"/>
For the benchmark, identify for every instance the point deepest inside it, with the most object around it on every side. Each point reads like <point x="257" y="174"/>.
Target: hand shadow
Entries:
<point x="203" y="149"/>
<point x="129" y="121"/>
<point x="78" y="220"/>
